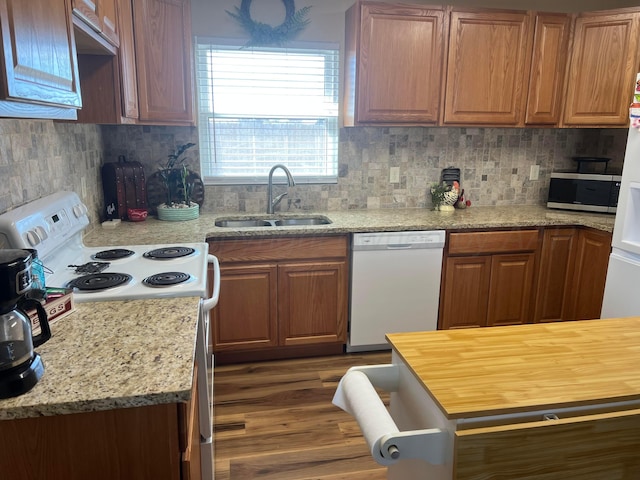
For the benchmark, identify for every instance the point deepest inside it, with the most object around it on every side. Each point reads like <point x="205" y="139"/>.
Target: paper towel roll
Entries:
<point x="356" y="396"/>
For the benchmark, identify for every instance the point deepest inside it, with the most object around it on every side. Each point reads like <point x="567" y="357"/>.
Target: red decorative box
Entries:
<point x="56" y="308"/>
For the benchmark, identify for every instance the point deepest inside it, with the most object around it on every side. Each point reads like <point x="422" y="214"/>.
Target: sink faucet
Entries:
<point x="271" y="202"/>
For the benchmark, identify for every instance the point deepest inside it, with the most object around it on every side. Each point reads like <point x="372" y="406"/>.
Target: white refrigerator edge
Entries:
<point x="621" y="293"/>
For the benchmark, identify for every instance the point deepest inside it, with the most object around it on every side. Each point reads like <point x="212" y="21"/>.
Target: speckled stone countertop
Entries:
<point x="109" y="355"/>
<point x="122" y="354"/>
<point x="351" y="221"/>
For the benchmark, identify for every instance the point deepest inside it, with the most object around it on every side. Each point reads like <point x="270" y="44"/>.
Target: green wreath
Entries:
<point x="262" y="34"/>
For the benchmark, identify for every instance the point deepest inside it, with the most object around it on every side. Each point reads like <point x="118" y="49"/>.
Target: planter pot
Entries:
<point x="178" y="213"/>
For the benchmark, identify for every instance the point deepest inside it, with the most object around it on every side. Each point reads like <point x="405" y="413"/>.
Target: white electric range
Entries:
<point x="54" y="226"/>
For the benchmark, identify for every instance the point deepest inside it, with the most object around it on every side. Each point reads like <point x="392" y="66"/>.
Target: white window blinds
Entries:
<point x="262" y="106"/>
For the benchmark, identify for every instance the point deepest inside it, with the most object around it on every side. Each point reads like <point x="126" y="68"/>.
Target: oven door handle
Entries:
<point x="209" y="303"/>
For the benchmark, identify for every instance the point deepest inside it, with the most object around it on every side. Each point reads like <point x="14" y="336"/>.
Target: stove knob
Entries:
<point x="80" y="209"/>
<point x="41" y="232"/>
<point x="33" y="238"/>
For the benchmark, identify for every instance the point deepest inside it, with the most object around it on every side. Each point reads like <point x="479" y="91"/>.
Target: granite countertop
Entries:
<point x="351" y="221"/>
<point x="123" y="354"/>
<point x="109" y="355"/>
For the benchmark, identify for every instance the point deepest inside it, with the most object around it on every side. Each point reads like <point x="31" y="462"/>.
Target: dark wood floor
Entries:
<point x="275" y="420"/>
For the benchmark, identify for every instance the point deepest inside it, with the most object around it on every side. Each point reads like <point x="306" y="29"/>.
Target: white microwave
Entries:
<point x="589" y="192"/>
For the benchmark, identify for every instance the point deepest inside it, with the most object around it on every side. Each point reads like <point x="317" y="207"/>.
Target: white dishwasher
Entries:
<point x="395" y="286"/>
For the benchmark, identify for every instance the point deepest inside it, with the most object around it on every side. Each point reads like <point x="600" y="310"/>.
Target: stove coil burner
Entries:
<point x="113" y="254"/>
<point x="166" y="253"/>
<point x="166" y="279"/>
<point x="91" y="267"/>
<point x="99" y="281"/>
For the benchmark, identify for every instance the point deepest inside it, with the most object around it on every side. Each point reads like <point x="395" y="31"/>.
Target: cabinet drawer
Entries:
<point x="587" y="447"/>
<point x="493" y="242"/>
<point x="275" y="249"/>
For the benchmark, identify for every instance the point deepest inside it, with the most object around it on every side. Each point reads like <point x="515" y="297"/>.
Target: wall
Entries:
<point x="495" y="164"/>
<point x="40" y="157"/>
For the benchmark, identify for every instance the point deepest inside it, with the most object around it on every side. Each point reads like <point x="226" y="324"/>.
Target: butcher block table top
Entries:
<point x="498" y="370"/>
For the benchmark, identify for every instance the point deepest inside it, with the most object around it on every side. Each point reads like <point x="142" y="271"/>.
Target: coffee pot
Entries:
<point x="20" y="366"/>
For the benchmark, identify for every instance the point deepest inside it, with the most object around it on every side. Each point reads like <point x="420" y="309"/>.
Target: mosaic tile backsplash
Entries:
<point x="39" y="157"/>
<point x="494" y="162"/>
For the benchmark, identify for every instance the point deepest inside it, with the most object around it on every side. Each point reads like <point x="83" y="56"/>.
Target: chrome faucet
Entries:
<point x="271" y="202"/>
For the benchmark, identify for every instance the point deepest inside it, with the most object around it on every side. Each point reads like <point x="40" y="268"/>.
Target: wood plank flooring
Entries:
<point x="275" y="420"/>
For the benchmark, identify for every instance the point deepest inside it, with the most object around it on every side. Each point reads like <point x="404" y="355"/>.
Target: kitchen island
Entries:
<point x="549" y="401"/>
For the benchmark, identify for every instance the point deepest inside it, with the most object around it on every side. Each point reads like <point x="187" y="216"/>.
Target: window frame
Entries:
<point x="205" y="117"/>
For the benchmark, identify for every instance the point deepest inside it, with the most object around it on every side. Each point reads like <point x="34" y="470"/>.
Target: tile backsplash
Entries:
<point x="39" y="157"/>
<point x="494" y="162"/>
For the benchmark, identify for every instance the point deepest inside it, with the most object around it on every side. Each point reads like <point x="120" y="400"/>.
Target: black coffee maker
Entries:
<point x="20" y="366"/>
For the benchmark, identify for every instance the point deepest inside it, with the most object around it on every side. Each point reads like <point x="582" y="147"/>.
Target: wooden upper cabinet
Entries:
<point x="394" y="56"/>
<point x="108" y="14"/>
<point x="101" y="16"/>
<point x="548" y="66"/>
<point x="88" y="11"/>
<point x="40" y="64"/>
<point x="604" y="62"/>
<point x="488" y="63"/>
<point x="162" y="33"/>
<point x="128" y="78"/>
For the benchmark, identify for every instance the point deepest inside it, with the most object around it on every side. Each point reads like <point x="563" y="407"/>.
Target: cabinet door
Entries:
<point x="487" y="66"/>
<point x="399" y="64"/>
<point x="465" y="292"/>
<point x="108" y="14"/>
<point x="510" y="289"/>
<point x="245" y="317"/>
<point x="88" y="11"/>
<point x="592" y="260"/>
<point x="127" y="62"/>
<point x="604" y="61"/>
<point x="39" y="53"/>
<point x="100" y="15"/>
<point x="548" y="65"/>
<point x="555" y="278"/>
<point x="312" y="302"/>
<point x="162" y="32"/>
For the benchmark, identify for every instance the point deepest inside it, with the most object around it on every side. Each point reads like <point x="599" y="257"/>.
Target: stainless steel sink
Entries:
<point x="272" y="222"/>
<point x="242" y="223"/>
<point x="302" y="221"/>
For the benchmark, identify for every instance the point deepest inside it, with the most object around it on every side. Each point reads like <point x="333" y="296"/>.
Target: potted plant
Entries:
<point x="178" y="184"/>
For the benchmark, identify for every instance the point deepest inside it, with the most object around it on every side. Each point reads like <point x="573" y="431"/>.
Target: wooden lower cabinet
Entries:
<point x="556" y="275"/>
<point x="280" y="297"/>
<point x="156" y="442"/>
<point x="465" y="293"/>
<point x="487" y="290"/>
<point x="488" y="278"/>
<point x="312" y="305"/>
<point x="590" y="274"/>
<point x="573" y="272"/>
<point x="507" y="277"/>
<point x="246" y="316"/>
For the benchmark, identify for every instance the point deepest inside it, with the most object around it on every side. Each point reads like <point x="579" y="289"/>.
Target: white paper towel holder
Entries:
<point x="427" y="444"/>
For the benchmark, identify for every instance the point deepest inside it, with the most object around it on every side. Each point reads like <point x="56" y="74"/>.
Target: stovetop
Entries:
<point x="138" y="267"/>
<point x="54" y="226"/>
